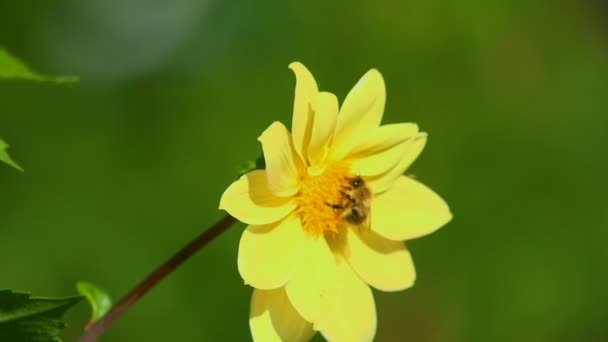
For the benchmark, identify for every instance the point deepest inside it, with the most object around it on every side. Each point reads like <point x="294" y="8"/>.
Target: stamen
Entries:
<point x="321" y="199"/>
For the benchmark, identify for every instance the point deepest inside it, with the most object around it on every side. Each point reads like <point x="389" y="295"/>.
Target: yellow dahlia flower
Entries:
<point x="310" y="263"/>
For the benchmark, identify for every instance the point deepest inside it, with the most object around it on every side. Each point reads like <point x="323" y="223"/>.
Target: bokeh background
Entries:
<point x="125" y="167"/>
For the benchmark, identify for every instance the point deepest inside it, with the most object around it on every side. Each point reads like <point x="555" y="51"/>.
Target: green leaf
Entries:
<point x="99" y="299"/>
<point x="5" y="157"/>
<point x="11" y="67"/>
<point x="32" y="319"/>
<point x="251" y="165"/>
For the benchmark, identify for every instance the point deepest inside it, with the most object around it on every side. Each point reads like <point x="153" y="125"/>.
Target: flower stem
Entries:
<point x="98" y="328"/>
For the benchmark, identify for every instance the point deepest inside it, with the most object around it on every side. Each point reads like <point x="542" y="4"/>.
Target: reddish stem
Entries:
<point x="97" y="329"/>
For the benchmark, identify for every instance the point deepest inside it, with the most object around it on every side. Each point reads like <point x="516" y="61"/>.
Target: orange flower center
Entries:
<point x="317" y="195"/>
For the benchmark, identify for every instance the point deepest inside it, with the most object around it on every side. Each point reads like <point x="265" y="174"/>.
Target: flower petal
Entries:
<point x="384" y="181"/>
<point x="273" y="318"/>
<point x="384" y="137"/>
<point x="379" y="162"/>
<point x="268" y="254"/>
<point x="250" y="200"/>
<point x="382" y="263"/>
<point x="361" y="112"/>
<point x="281" y="167"/>
<point x="313" y="280"/>
<point x="408" y="210"/>
<point x="306" y="91"/>
<point x="324" y="124"/>
<point x="351" y="314"/>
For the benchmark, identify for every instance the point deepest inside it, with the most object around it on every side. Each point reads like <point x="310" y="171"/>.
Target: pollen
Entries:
<point x="317" y="194"/>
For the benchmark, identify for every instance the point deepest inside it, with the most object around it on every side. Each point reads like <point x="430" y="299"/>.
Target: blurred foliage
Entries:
<point x="173" y="96"/>
<point x="32" y="319"/>
<point x="6" y="158"/>
<point x="11" y="67"/>
<point x="258" y="164"/>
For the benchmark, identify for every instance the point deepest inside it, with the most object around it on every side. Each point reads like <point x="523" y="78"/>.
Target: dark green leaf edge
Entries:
<point x="33" y="319"/>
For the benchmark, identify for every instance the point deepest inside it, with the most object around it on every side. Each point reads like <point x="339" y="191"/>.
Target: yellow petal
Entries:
<point x="324" y="124"/>
<point x="351" y="313"/>
<point x="268" y="254"/>
<point x="250" y="200"/>
<point x="384" y="181"/>
<point x="382" y="263"/>
<point x="281" y="165"/>
<point x="312" y="281"/>
<point x="408" y="210"/>
<point x="384" y="137"/>
<point x="306" y="91"/>
<point x="379" y="162"/>
<point x="273" y="318"/>
<point x="361" y="112"/>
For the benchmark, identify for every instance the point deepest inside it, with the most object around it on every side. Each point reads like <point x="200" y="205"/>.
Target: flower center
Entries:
<point x="317" y="195"/>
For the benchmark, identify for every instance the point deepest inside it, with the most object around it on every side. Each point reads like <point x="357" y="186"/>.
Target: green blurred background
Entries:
<point x="125" y="167"/>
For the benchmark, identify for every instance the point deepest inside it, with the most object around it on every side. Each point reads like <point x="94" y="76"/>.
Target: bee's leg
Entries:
<point x="349" y="197"/>
<point x="334" y="206"/>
